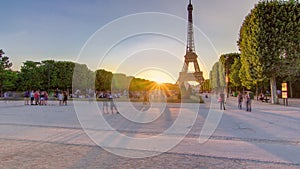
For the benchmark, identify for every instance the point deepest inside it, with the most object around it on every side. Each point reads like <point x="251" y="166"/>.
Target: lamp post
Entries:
<point x="48" y="77"/>
<point x="48" y="66"/>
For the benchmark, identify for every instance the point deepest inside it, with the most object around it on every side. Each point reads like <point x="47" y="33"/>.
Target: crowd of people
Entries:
<point x="109" y="102"/>
<point x="38" y="97"/>
<point x="246" y="97"/>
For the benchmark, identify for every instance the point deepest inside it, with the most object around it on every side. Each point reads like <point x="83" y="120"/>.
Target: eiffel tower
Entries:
<point x="190" y="55"/>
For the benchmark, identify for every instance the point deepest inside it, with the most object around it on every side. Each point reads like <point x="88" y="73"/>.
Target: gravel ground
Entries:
<point x="41" y="155"/>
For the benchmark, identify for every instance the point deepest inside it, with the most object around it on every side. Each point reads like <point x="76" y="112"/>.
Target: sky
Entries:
<point x="143" y="38"/>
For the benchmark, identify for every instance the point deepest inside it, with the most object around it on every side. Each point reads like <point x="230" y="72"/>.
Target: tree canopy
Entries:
<point x="5" y="74"/>
<point x="269" y="43"/>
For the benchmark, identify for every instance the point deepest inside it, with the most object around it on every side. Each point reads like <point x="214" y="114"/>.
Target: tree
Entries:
<point x="235" y="79"/>
<point x="103" y="80"/>
<point x="81" y="77"/>
<point x="206" y="86"/>
<point x="119" y="82"/>
<point x="217" y="77"/>
<point x="10" y="81"/>
<point x="227" y="60"/>
<point x="269" y="43"/>
<point x="5" y="65"/>
<point x="30" y="76"/>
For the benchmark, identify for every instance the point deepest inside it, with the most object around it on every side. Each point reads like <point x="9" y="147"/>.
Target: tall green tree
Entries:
<point x="227" y="60"/>
<point x="11" y="80"/>
<point x="206" y="86"/>
<point x="30" y="76"/>
<point x="82" y="77"/>
<point x="103" y="80"/>
<point x="217" y="77"/>
<point x="5" y="65"/>
<point x="234" y="75"/>
<point x="269" y="43"/>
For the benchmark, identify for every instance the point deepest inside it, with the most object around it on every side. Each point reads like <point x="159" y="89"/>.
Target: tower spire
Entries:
<point x="190" y="35"/>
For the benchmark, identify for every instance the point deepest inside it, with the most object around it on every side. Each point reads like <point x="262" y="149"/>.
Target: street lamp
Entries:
<point x="48" y="77"/>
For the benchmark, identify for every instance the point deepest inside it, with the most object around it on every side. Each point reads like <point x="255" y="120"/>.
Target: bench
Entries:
<point x="265" y="99"/>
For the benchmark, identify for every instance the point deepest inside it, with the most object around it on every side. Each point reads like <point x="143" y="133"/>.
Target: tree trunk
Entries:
<point x="290" y="89"/>
<point x="274" y="97"/>
<point x="256" y="92"/>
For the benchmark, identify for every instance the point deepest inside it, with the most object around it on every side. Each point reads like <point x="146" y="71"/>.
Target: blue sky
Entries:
<point x="58" y="29"/>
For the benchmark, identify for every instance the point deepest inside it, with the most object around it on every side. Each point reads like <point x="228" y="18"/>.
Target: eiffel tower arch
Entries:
<point x="190" y="56"/>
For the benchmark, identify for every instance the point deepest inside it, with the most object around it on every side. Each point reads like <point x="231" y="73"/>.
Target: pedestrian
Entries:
<point x="240" y="100"/>
<point x="31" y="97"/>
<point x="26" y="97"/>
<point x="42" y="98"/>
<point x="60" y="97"/>
<point x="248" y="102"/>
<point x="46" y="98"/>
<point x="65" y="98"/>
<point x="57" y="91"/>
<point x="105" y="102"/>
<point x="37" y="97"/>
<point x="112" y="103"/>
<point x="146" y="98"/>
<point x="6" y="95"/>
<point x="222" y="101"/>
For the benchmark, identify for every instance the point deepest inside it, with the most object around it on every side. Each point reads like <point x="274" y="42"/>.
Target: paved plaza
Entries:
<point x="52" y="137"/>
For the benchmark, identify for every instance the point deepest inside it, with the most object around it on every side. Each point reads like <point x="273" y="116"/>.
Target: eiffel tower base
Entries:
<point x="185" y="93"/>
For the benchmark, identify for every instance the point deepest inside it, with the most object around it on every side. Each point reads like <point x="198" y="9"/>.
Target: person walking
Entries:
<point x="240" y="100"/>
<point x="105" y="102"/>
<point x="248" y="102"/>
<point x="112" y="103"/>
<point x="222" y="101"/>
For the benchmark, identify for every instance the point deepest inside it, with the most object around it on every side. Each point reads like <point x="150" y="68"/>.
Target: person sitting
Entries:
<point x="262" y="97"/>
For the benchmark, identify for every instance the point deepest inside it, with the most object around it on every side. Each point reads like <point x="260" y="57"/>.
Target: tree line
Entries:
<point x="50" y="75"/>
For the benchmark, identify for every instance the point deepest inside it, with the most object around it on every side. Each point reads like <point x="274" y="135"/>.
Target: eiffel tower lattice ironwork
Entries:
<point x="190" y="56"/>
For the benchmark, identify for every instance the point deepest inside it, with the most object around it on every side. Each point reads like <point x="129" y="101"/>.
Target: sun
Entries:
<point x="156" y="75"/>
<point x="159" y="79"/>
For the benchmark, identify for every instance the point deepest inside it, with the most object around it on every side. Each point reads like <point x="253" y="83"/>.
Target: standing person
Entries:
<point x="105" y="102"/>
<point x="248" y="102"/>
<point x="240" y="100"/>
<point x="222" y="101"/>
<point x="37" y="97"/>
<point x="112" y="104"/>
<point x="65" y="98"/>
<point x="60" y="97"/>
<point x="146" y="98"/>
<point x="31" y="97"/>
<point x="26" y="97"/>
<point x="5" y="97"/>
<point x="42" y="98"/>
<point x="57" y="91"/>
<point x="46" y="98"/>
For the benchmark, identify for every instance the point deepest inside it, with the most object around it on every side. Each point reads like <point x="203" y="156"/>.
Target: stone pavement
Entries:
<point x="51" y="137"/>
